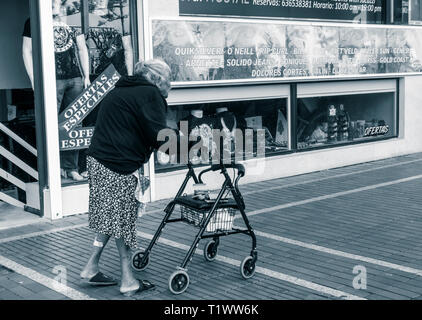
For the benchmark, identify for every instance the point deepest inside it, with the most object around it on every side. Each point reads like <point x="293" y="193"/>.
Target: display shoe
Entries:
<point x="63" y="173"/>
<point x="84" y="174"/>
<point x="74" y="175"/>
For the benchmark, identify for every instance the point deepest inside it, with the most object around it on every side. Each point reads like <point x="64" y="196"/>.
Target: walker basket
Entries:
<point x="195" y="211"/>
<point x="222" y="219"/>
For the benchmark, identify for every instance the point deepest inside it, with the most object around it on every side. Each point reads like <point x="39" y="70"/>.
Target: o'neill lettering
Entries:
<point x="375" y="131"/>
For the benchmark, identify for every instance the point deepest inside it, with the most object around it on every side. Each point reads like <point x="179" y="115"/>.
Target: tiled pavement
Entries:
<point x="313" y="230"/>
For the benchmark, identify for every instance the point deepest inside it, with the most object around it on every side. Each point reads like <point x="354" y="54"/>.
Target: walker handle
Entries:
<point x="240" y="168"/>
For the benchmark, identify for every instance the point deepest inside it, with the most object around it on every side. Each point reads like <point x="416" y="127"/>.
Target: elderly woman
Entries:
<point x="128" y="122"/>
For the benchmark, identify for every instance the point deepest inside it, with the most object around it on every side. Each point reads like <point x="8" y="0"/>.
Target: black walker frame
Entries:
<point x="179" y="280"/>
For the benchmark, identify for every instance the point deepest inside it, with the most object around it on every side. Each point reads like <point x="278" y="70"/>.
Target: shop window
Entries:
<point x="72" y="66"/>
<point x="89" y="36"/>
<point x="110" y="36"/>
<point x="17" y="115"/>
<point x="346" y="118"/>
<point x="401" y="11"/>
<point x="262" y="123"/>
<point x="415" y="12"/>
<point x="110" y="40"/>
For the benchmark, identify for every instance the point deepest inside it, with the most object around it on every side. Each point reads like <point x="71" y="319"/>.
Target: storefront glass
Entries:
<point x="262" y="123"/>
<point x="339" y="119"/>
<point x="17" y="115"/>
<point x="71" y="59"/>
<point x="110" y="39"/>
<point x="93" y="40"/>
<point x="18" y="155"/>
<point x="415" y="12"/>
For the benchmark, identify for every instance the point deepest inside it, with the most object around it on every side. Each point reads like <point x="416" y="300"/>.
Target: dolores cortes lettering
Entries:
<point x="88" y="100"/>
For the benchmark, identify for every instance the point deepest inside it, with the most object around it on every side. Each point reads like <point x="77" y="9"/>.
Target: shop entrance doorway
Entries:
<point x="18" y="154"/>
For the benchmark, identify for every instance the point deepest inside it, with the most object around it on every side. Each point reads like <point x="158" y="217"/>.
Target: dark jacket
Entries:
<point x="128" y="122"/>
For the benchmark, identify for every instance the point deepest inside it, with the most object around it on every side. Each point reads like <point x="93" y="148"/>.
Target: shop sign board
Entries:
<point x="364" y="11"/>
<point x="78" y="138"/>
<point x="222" y="51"/>
<point x="377" y="130"/>
<point x="71" y="135"/>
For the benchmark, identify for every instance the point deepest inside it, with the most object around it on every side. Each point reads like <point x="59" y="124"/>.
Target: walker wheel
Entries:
<point x="137" y="257"/>
<point x="247" y="267"/>
<point x="210" y="250"/>
<point x="178" y="282"/>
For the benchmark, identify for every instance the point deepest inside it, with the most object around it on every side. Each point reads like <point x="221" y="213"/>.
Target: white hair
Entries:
<point x="157" y="72"/>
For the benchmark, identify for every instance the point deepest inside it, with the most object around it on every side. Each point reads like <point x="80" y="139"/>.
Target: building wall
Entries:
<point x="409" y="141"/>
<point x="12" y="19"/>
<point x="163" y="8"/>
<point x="410" y="118"/>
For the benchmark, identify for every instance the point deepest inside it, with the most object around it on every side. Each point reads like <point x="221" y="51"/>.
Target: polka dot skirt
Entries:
<point x="113" y="208"/>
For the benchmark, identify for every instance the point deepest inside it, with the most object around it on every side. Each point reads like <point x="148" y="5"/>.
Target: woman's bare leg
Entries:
<point x="92" y="267"/>
<point x="129" y="282"/>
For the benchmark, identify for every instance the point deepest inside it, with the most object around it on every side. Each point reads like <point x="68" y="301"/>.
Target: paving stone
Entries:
<point x="5" y="282"/>
<point x="21" y="291"/>
<point x="35" y="287"/>
<point x="50" y="294"/>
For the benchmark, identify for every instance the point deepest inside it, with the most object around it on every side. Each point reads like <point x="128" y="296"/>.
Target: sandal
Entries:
<point x="100" y="279"/>
<point x="143" y="286"/>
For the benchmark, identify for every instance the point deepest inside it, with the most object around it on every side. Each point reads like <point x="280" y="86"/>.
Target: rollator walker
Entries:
<point x="214" y="218"/>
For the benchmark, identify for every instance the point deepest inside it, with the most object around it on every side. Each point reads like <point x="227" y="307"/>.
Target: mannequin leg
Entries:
<point x="69" y="159"/>
<point x="61" y="88"/>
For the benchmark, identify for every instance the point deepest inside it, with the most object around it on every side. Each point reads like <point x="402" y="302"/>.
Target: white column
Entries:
<point x="144" y="42"/>
<point x="141" y="6"/>
<point x="53" y="195"/>
<point x="146" y="30"/>
<point x="289" y="121"/>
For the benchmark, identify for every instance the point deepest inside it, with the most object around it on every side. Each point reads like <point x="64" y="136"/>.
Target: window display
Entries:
<point x="109" y="41"/>
<point x="261" y="124"/>
<point x="72" y="67"/>
<point x="400" y="11"/>
<point x="415" y="12"/>
<point x="82" y="53"/>
<point x="345" y="118"/>
<point x="109" y="37"/>
<point x="17" y="106"/>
